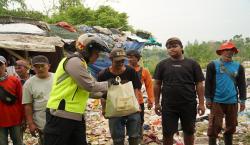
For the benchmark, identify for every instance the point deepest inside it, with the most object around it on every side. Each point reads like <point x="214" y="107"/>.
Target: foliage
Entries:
<point x="73" y="15"/>
<point x="202" y="53"/>
<point x="65" y="4"/>
<point x="143" y="34"/>
<point x="104" y="16"/>
<point x="151" y="57"/>
<point x="23" y="13"/>
<point x="243" y="44"/>
<point x="5" y="4"/>
<point x="205" y="51"/>
<point x="109" y="18"/>
<point x="73" y="12"/>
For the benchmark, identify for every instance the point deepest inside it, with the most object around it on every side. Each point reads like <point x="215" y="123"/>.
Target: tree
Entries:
<point x="22" y="13"/>
<point x="203" y="53"/>
<point x="65" y="4"/>
<point x="151" y="57"/>
<point x="105" y="16"/>
<point x="74" y="15"/>
<point x="5" y="4"/>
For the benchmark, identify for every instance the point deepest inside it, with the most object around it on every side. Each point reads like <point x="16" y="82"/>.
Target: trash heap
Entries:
<point x="98" y="129"/>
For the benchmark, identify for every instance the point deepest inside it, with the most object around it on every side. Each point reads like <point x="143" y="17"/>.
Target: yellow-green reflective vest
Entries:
<point x="64" y="87"/>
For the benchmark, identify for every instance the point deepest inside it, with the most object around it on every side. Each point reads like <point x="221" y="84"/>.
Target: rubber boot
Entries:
<point x="133" y="141"/>
<point x="228" y="139"/>
<point x="212" y="140"/>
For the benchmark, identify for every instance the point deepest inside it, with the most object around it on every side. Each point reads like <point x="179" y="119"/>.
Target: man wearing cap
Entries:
<point x="11" y="108"/>
<point x="22" y="69"/>
<point x="225" y="87"/>
<point x="134" y="57"/>
<point x="36" y="94"/>
<point x="178" y="79"/>
<point x="131" y="122"/>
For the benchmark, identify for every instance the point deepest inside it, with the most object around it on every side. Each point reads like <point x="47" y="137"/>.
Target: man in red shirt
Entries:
<point x="11" y="114"/>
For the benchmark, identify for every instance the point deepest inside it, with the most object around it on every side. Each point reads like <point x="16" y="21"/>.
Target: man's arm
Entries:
<point x="210" y="84"/>
<point x="241" y="84"/>
<point x="29" y="118"/>
<point x="96" y="95"/>
<point x="149" y="88"/>
<point x="28" y="109"/>
<point x="157" y="92"/>
<point x="137" y="92"/>
<point x="200" y="93"/>
<point x="80" y="74"/>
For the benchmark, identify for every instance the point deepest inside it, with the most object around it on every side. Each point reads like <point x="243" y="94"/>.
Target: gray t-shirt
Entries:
<point x="37" y="91"/>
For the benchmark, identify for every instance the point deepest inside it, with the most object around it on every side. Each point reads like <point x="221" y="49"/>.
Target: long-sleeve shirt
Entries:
<point x="74" y="67"/>
<point x="218" y="83"/>
<point x="11" y="115"/>
<point x="146" y="79"/>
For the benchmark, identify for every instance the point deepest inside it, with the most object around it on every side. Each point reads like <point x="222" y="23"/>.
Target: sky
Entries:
<point x="190" y="20"/>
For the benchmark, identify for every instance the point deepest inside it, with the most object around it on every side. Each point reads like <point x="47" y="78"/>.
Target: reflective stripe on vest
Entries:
<point x="65" y="88"/>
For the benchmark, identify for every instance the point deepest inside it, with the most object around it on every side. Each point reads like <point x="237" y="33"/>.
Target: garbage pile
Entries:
<point x="98" y="130"/>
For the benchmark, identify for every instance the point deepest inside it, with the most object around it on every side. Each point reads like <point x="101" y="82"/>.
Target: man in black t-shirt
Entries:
<point x="178" y="79"/>
<point x="132" y="122"/>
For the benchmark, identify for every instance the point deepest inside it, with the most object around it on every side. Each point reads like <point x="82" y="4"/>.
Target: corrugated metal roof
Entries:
<point x="29" y="42"/>
<point x="21" y="28"/>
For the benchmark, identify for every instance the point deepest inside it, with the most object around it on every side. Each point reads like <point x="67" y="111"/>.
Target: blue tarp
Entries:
<point x="104" y="61"/>
<point x="114" y="40"/>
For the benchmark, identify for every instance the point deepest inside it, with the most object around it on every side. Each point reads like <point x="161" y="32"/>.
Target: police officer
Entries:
<point x="72" y="86"/>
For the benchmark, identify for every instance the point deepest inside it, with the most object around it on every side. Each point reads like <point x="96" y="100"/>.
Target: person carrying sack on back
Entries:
<point x="144" y="75"/>
<point x="11" y="108"/>
<point x="225" y="87"/>
<point x="131" y="123"/>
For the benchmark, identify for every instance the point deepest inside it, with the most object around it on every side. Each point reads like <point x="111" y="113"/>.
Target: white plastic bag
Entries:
<point x="121" y="100"/>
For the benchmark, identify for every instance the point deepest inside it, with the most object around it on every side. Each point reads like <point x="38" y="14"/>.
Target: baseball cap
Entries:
<point x="118" y="54"/>
<point x="174" y="40"/>
<point x="2" y="59"/>
<point x="39" y="59"/>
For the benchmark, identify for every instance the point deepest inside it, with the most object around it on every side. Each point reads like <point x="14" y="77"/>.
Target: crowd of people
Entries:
<point x="52" y="105"/>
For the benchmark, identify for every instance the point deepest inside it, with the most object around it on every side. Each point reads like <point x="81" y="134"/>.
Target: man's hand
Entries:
<point x="158" y="109"/>
<point x="209" y="105"/>
<point x="201" y="109"/>
<point x="104" y="96"/>
<point x="242" y="107"/>
<point x="112" y="81"/>
<point x="150" y="106"/>
<point x="33" y="128"/>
